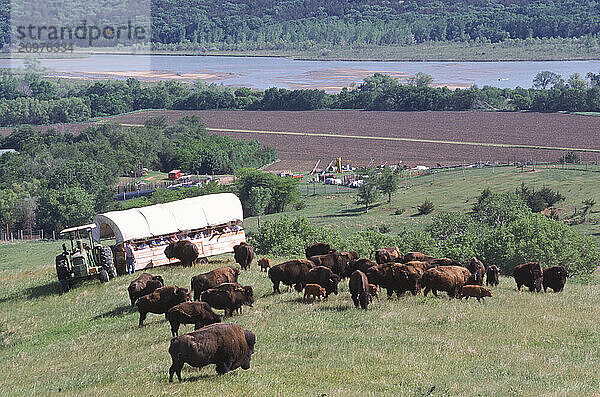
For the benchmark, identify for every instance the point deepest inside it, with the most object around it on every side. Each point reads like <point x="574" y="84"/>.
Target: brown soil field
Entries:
<point x="300" y="152"/>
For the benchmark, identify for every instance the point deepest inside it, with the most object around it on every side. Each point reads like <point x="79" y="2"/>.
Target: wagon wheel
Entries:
<point x="203" y="261"/>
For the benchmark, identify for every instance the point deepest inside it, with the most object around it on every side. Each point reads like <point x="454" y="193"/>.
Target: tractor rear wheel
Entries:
<point x="106" y="261"/>
<point x="103" y="275"/>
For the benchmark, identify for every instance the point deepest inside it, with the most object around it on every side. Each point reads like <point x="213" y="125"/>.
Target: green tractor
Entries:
<point x="83" y="260"/>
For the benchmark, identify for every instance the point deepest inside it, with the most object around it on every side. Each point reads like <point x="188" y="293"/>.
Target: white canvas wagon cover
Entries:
<point x="174" y="217"/>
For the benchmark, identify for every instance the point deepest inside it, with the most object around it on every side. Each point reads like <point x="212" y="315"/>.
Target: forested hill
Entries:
<point x="301" y="24"/>
<point x="278" y="24"/>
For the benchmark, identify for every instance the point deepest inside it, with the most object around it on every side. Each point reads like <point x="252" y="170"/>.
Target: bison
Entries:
<point x="161" y="300"/>
<point x="290" y="273"/>
<point x="477" y="271"/>
<point x="229" y="301"/>
<point x="475" y="291"/>
<point x="359" y="289"/>
<point x="198" y="313"/>
<point x="264" y="264"/>
<point x="143" y="285"/>
<point x="243" y="254"/>
<point x="335" y="261"/>
<point x="228" y="346"/>
<point x="211" y="279"/>
<point x="555" y="277"/>
<point x="184" y="250"/>
<point x="395" y="277"/>
<point x="325" y="278"/>
<point x="385" y="255"/>
<point x="416" y="256"/>
<point x="529" y="274"/>
<point x="318" y="249"/>
<point x="361" y="264"/>
<point x="373" y="291"/>
<point x="445" y="278"/>
<point x="492" y="275"/>
<point x="314" y="291"/>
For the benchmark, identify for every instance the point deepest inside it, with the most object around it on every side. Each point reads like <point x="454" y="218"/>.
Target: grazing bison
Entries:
<point x="359" y="289"/>
<point x="143" y="285"/>
<point x="243" y="254"/>
<point x="395" y="277"/>
<point x="477" y="271"/>
<point x="198" y="313"/>
<point x="184" y="250"/>
<point x="492" y="275"/>
<point x="318" y="249"/>
<point x="264" y="264"/>
<point x="475" y="291"/>
<point x="211" y="279"/>
<point x="373" y="291"/>
<point x="325" y="278"/>
<point x="529" y="274"/>
<point x="228" y="346"/>
<point x="335" y="261"/>
<point x="361" y="264"/>
<point x="229" y="301"/>
<point x="555" y="277"/>
<point x="445" y="278"/>
<point x="442" y="262"/>
<point x="315" y="291"/>
<point x="161" y="300"/>
<point x="416" y="256"/>
<point x="385" y="255"/>
<point x="290" y="273"/>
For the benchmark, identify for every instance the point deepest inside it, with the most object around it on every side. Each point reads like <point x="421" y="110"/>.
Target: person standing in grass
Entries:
<point x="129" y="258"/>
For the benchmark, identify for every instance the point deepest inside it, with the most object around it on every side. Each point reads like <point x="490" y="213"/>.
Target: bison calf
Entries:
<point x="315" y="291"/>
<point x="229" y="346"/>
<point x="373" y="291"/>
<point x="475" y="291"/>
<point x="198" y="313"/>
<point x="161" y="300"/>
<point x="264" y="264"/>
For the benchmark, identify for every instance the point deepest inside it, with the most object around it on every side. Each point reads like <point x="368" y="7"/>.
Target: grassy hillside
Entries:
<point x="449" y="191"/>
<point x="87" y="342"/>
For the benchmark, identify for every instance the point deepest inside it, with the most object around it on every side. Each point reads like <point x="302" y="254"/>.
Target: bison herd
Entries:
<point x="229" y="346"/>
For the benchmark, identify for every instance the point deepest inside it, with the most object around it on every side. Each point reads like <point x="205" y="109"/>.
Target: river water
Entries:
<point x="265" y="72"/>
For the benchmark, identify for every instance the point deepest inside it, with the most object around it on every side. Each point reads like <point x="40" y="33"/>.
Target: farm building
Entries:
<point x="212" y="222"/>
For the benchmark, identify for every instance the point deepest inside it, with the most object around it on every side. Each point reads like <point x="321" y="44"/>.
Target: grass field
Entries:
<point x="87" y="342"/>
<point x="449" y="191"/>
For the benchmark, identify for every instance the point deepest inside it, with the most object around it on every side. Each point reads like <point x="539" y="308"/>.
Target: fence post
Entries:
<point x="53" y="235"/>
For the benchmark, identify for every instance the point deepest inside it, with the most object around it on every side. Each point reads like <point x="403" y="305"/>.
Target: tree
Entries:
<point x="577" y="82"/>
<point x="420" y="80"/>
<point x="258" y="200"/>
<point x="387" y="182"/>
<point x="545" y="79"/>
<point x="63" y="208"/>
<point x="426" y="207"/>
<point x="367" y="194"/>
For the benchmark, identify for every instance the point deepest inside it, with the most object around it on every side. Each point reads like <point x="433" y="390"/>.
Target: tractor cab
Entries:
<point x="84" y="259"/>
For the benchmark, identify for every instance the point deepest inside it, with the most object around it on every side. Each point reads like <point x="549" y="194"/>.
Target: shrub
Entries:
<point x="399" y="211"/>
<point x="425" y="208"/>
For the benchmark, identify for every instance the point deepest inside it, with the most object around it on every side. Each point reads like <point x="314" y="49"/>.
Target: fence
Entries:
<point x="22" y="235"/>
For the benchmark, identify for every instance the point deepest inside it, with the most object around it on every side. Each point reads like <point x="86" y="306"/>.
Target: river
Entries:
<point x="265" y="72"/>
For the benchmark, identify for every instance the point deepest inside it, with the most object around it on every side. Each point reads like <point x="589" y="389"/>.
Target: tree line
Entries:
<point x="305" y="24"/>
<point x="30" y="99"/>
<point x="57" y="180"/>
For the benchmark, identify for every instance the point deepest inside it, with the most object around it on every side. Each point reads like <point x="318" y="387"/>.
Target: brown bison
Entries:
<point x="335" y="261"/>
<point x="143" y="285"/>
<point x="184" y="250"/>
<point x="361" y="264"/>
<point x="228" y="346"/>
<point x="318" y="249"/>
<point x="290" y="273"/>
<point x="529" y="274"/>
<point x="229" y="301"/>
<point x="325" y="278"/>
<point x="475" y="291"/>
<point x="264" y="264"/>
<point x="445" y="278"/>
<point x="416" y="256"/>
<point x="442" y="262"/>
<point x="395" y="277"/>
<point x="477" y="271"/>
<point x="373" y="291"/>
<point x="492" y="275"/>
<point x="198" y="313"/>
<point x="211" y="279"/>
<point x="243" y="254"/>
<point x="359" y="289"/>
<point x="555" y="277"/>
<point x="161" y="300"/>
<point x="385" y="255"/>
<point x="314" y="291"/>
